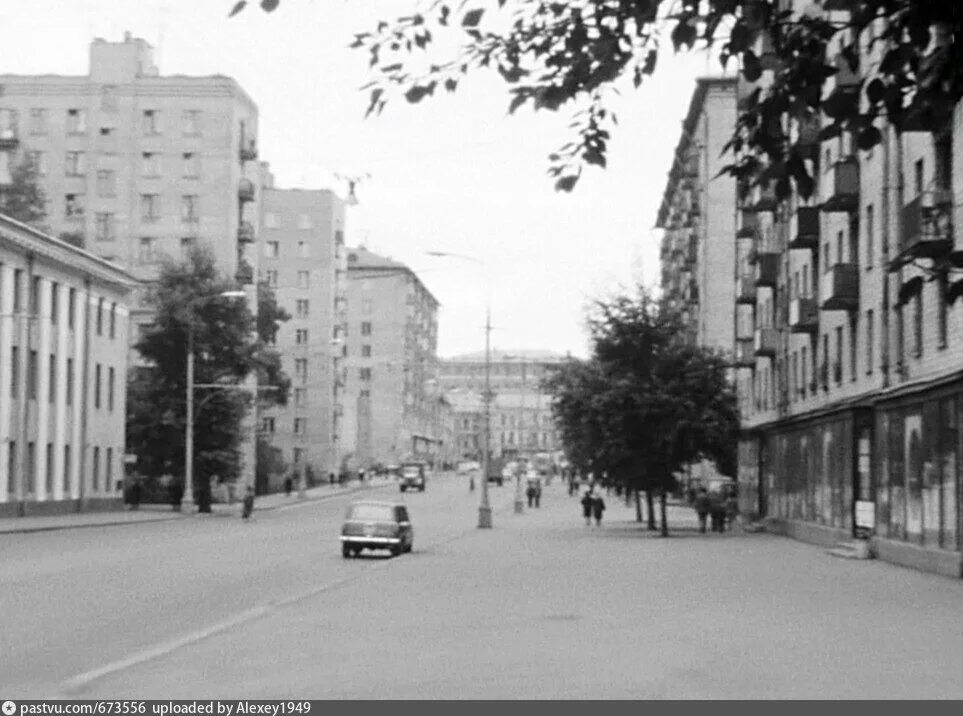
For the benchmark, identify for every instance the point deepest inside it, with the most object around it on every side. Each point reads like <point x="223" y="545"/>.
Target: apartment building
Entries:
<point x="849" y="353"/>
<point x="63" y="375"/>
<point x="137" y="165"/>
<point x="697" y="218"/>
<point x="390" y="344"/>
<point x="302" y="260"/>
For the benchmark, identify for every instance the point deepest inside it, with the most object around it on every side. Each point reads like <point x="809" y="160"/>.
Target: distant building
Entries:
<point x="137" y="165"/>
<point x="63" y="368"/>
<point x="390" y="402"/>
<point x="302" y="240"/>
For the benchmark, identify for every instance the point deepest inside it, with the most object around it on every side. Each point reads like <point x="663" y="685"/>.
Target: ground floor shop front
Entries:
<point x="886" y="469"/>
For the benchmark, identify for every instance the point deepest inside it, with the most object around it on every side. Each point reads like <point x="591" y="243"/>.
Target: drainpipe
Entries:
<point x="900" y="317"/>
<point x="25" y="330"/>
<point x="885" y="344"/>
<point x="84" y="398"/>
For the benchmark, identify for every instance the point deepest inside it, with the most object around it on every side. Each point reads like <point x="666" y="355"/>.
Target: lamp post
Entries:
<point x="484" y="507"/>
<point x="187" y="501"/>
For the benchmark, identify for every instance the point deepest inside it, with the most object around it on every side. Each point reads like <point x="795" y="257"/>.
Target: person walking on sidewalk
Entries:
<point x="598" y="507"/>
<point x="288" y="486"/>
<point x="587" y="501"/>
<point x="701" y="504"/>
<point x="248" y="503"/>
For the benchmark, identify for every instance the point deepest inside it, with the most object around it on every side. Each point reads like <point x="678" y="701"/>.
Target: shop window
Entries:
<point x="949" y="442"/>
<point x="913" y="436"/>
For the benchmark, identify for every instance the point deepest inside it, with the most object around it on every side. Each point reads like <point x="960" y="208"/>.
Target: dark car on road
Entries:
<point x="413" y="476"/>
<point x="376" y="525"/>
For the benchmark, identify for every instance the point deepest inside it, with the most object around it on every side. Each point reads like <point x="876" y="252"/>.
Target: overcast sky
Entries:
<point x="451" y="174"/>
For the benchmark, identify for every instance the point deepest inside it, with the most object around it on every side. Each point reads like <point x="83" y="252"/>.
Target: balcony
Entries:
<point x="765" y="342"/>
<point x="746" y="290"/>
<point x="245" y="233"/>
<point x="840" y="288"/>
<point x="245" y="190"/>
<point x="843" y="186"/>
<point x="927" y="227"/>
<point x="807" y="135"/>
<point x="764" y="198"/>
<point x="767" y="268"/>
<point x="248" y="151"/>
<point x="804" y="232"/>
<point x="748" y="224"/>
<point x="746" y="353"/>
<point x="745" y="330"/>
<point x="845" y="81"/>
<point x="803" y="315"/>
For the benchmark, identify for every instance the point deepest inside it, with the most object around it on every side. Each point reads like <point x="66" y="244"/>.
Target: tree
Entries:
<point x="647" y="403"/>
<point x="184" y="295"/>
<point x="23" y="198"/>
<point x="554" y="54"/>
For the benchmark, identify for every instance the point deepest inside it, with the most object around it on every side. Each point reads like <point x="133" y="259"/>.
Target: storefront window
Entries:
<point x="931" y="474"/>
<point x="882" y="474"/>
<point x="897" y="476"/>
<point x="949" y="441"/>
<point x="913" y="427"/>
<point x="825" y="489"/>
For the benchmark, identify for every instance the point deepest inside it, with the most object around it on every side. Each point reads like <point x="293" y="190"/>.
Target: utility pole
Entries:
<point x="519" y="503"/>
<point x="484" y="509"/>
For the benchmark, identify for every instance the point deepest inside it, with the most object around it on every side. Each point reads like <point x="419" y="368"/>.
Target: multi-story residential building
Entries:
<point x="141" y="166"/>
<point x="697" y="218"/>
<point x="521" y="410"/>
<point x="391" y="363"/>
<point x="63" y="375"/>
<point x="852" y="396"/>
<point x="302" y="260"/>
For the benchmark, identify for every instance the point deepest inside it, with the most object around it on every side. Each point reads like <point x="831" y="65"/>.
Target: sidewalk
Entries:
<point x="164" y="513"/>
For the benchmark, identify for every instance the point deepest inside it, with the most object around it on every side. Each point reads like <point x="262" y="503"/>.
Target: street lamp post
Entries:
<point x="484" y="507"/>
<point x="187" y="501"/>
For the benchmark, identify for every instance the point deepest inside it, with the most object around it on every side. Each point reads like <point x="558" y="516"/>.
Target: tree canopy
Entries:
<point x="23" y="198"/>
<point x="647" y="403"/>
<point x="187" y="294"/>
<point x="575" y="53"/>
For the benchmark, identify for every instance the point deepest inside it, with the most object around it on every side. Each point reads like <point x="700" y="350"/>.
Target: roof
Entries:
<point x="361" y="258"/>
<point x="504" y="356"/>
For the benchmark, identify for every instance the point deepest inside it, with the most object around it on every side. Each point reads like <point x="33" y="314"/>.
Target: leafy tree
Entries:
<point x="23" y="198"/>
<point x="554" y="54"/>
<point x="187" y="294"/>
<point x="648" y="402"/>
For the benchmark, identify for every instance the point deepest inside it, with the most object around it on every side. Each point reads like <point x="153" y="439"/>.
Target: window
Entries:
<point x="192" y="122"/>
<point x="73" y="206"/>
<point x="339" y="237"/>
<point x="35" y="295"/>
<point x="839" y="248"/>
<point x="189" y="208"/>
<point x="109" y="466"/>
<point x="272" y="278"/>
<point x="31" y="468"/>
<point x="870" y="228"/>
<point x="271" y="249"/>
<point x="192" y="165"/>
<point x="52" y="379"/>
<point x="149" y="207"/>
<point x="106" y="182"/>
<point x="267" y="425"/>
<point x="96" y="469"/>
<point x="304" y="279"/>
<point x="69" y="394"/>
<point x="104" y="226"/>
<point x="304" y="221"/>
<point x="838" y="364"/>
<point x="364" y="374"/>
<point x="298" y="455"/>
<point x="918" y="176"/>
<point x="106" y="131"/>
<point x="74" y="164"/>
<point x="300" y="426"/>
<point x="366" y="328"/>
<point x="150" y="164"/>
<point x="76" y="121"/>
<point x="54" y="301"/>
<point x="151" y="121"/>
<point x="145" y="250"/>
<point x="66" y="476"/>
<point x="303" y="249"/>
<point x="272" y="220"/>
<point x="113" y="320"/>
<point x="187" y="245"/>
<point x="301" y="368"/>
<point x="38" y="160"/>
<point x="32" y="376"/>
<point x="110" y="389"/>
<point x="97" y="381"/>
<point x="71" y="305"/>
<point x="38" y="121"/>
<point x="300" y="397"/>
<point x="853" y="325"/>
<point x="941" y="317"/>
<point x="100" y="317"/>
<point x="301" y="336"/>
<point x="302" y="308"/>
<point x="870" y="338"/>
<point x="14" y="371"/>
<point x="366" y="351"/>
<point x="918" y="324"/>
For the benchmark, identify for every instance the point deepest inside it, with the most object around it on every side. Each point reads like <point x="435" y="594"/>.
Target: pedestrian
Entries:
<point x="135" y="493"/>
<point x="530" y="494"/>
<point x="701" y="504"/>
<point x="732" y="509"/>
<point x="717" y="512"/>
<point x="538" y="493"/>
<point x="288" y="486"/>
<point x="361" y="475"/>
<point x="248" y="503"/>
<point x="598" y="507"/>
<point x="587" y="501"/>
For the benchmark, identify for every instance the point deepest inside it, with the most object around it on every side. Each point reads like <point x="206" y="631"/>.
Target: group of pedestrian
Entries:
<point x="718" y="509"/>
<point x="593" y="506"/>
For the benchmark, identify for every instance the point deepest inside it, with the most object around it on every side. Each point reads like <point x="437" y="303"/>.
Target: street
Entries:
<point x="539" y="607"/>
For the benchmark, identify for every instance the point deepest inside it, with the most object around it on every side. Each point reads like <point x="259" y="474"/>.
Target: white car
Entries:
<point x="468" y="466"/>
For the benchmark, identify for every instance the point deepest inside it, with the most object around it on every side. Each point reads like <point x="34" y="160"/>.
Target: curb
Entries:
<point x="115" y="523"/>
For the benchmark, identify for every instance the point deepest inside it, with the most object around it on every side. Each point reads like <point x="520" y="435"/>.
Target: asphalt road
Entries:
<point x="539" y="607"/>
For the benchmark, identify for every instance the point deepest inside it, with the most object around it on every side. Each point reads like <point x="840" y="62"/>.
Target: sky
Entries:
<point x="453" y="174"/>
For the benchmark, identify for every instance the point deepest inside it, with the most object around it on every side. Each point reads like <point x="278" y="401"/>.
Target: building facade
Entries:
<point x="303" y="261"/>
<point x="139" y="166"/>
<point x="849" y="351"/>
<point x="63" y="370"/>
<point x="390" y="343"/>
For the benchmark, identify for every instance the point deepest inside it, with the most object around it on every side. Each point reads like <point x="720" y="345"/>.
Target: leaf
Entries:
<point x="517" y="101"/>
<point x="751" y="69"/>
<point x="869" y="138"/>
<point x="650" y="60"/>
<point x="270" y="5"/>
<point x="416" y="94"/>
<point x="594" y="156"/>
<point x="875" y="91"/>
<point x="472" y="18"/>
<point x="954" y="291"/>
<point x="566" y="183"/>
<point x="451" y="84"/>
<point x="238" y="6"/>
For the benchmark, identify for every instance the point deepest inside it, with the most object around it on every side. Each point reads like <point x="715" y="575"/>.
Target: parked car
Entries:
<point x="376" y="525"/>
<point x="467" y="466"/>
<point x="413" y="476"/>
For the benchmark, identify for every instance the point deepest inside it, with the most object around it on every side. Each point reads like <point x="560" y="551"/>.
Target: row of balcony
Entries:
<point x="839" y="290"/>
